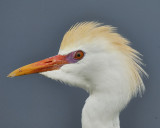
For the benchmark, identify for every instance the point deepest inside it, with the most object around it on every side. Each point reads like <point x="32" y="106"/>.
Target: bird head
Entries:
<point x="92" y="56"/>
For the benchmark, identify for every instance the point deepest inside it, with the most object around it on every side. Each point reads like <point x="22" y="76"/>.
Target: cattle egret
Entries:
<point x="94" y="57"/>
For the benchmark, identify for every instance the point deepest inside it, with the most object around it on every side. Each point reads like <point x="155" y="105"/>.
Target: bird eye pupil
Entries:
<point x="78" y="55"/>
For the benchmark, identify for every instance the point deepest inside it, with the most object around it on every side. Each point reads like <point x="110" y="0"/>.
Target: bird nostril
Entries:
<point x="48" y="61"/>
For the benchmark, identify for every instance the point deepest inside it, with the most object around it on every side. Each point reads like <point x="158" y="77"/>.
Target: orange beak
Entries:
<point x="52" y="63"/>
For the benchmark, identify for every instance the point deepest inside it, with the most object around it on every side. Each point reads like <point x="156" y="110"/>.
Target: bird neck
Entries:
<point x="99" y="112"/>
<point x="109" y="94"/>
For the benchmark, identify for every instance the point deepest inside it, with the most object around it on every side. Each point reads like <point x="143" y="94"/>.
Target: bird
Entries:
<point x="96" y="58"/>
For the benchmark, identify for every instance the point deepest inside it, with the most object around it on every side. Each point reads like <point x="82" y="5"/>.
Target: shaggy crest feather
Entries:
<point x="91" y="30"/>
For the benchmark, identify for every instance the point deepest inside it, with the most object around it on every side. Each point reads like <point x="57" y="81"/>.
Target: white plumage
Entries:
<point x="109" y="71"/>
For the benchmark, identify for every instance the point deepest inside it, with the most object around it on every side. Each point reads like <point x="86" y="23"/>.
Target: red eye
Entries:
<point x="79" y="55"/>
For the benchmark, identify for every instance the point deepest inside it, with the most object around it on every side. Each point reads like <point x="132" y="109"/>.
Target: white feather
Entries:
<point x="104" y="75"/>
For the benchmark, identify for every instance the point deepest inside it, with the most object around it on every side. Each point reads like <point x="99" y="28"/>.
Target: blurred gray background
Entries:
<point x="31" y="30"/>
